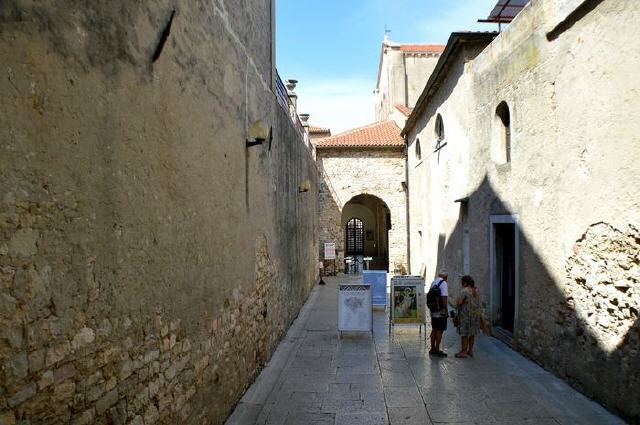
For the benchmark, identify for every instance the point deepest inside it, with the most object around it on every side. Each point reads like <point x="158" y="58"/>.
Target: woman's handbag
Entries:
<point x="455" y="318"/>
<point x="484" y="325"/>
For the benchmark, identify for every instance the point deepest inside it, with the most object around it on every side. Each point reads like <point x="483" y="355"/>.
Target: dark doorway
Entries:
<point x="366" y="221"/>
<point x="506" y="273"/>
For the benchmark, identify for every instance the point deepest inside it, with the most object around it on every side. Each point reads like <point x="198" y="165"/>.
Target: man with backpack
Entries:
<point x="437" y="304"/>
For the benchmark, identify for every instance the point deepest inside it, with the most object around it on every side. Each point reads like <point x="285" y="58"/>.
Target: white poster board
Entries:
<point x="354" y="308"/>
<point x="329" y="251"/>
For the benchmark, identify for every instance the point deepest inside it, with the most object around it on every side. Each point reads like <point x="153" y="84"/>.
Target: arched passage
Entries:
<point x="367" y="217"/>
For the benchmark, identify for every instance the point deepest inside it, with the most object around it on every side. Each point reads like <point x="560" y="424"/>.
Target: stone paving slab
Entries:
<point x="315" y="377"/>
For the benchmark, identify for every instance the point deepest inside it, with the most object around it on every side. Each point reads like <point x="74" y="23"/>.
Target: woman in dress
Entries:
<point x="468" y="306"/>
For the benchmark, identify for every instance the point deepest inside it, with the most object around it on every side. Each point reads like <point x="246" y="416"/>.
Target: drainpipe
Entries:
<point x="272" y="13"/>
<point x="406" y="192"/>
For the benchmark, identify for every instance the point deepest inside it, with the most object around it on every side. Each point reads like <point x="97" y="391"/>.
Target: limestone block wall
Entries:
<point x="345" y="173"/>
<point x="574" y="165"/>
<point x="149" y="262"/>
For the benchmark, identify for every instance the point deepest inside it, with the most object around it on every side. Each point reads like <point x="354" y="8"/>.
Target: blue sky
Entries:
<point x="333" y="47"/>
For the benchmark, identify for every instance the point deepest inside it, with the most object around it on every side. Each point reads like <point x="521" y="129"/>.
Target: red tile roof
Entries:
<point x="422" y="48"/>
<point x="406" y="111"/>
<point x="319" y="130"/>
<point x="380" y="134"/>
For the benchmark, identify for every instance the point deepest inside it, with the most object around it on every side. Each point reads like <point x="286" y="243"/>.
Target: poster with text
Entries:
<point x="329" y="251"/>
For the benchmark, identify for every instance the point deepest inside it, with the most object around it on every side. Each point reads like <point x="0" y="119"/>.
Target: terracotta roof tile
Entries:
<point x="406" y="111"/>
<point x="422" y="48"/>
<point x="319" y="130"/>
<point x="380" y="134"/>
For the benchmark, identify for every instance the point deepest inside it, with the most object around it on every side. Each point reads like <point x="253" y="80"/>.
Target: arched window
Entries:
<point x="504" y="124"/>
<point x="418" y="150"/>
<point x="439" y="133"/>
<point x="439" y="129"/>
<point x="355" y="237"/>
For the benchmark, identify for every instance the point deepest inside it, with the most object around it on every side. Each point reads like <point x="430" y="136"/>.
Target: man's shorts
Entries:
<point x="439" y="323"/>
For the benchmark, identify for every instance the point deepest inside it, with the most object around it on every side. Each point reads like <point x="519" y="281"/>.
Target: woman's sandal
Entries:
<point x="461" y="355"/>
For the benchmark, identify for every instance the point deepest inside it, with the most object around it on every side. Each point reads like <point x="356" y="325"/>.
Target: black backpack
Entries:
<point x="434" y="299"/>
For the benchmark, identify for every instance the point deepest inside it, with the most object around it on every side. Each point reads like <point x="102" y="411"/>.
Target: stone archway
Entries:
<point x="345" y="174"/>
<point x="375" y="217"/>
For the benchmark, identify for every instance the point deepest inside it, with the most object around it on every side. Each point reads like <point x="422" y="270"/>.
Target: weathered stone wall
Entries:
<point x="345" y="173"/>
<point x="149" y="262"/>
<point x="575" y="157"/>
<point x="418" y="69"/>
<point x="388" y="92"/>
<point x="440" y="177"/>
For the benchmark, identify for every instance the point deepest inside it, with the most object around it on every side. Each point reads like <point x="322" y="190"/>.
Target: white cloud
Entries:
<point x="346" y="102"/>
<point x="340" y="104"/>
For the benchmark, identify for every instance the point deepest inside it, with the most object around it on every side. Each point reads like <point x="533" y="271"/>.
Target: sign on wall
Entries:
<point x="329" y="251"/>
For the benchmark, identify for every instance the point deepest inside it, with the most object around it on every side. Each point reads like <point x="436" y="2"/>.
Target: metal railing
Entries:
<point x="287" y="105"/>
<point x="281" y="93"/>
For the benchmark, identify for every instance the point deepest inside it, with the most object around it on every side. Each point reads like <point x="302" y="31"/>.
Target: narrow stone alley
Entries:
<point x="315" y="377"/>
<point x="177" y="176"/>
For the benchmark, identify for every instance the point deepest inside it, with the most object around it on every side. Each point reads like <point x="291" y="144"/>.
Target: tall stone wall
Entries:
<point x="575" y="158"/>
<point x="346" y="173"/>
<point x="149" y="261"/>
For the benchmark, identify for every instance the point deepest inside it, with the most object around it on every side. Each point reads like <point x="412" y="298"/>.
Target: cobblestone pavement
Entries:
<point x="316" y="378"/>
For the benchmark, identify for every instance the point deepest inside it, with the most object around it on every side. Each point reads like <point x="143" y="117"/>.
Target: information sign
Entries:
<point x="407" y="300"/>
<point x="378" y="281"/>
<point x="354" y="308"/>
<point x="329" y="251"/>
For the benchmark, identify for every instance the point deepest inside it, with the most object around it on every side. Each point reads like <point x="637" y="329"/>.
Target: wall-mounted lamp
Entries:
<point x="258" y="134"/>
<point x="305" y="186"/>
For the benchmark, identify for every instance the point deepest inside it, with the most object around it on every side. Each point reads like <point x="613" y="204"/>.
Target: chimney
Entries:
<point x="304" y="118"/>
<point x="293" y="97"/>
<point x="291" y="85"/>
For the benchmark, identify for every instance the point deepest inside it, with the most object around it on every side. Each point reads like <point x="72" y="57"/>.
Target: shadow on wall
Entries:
<point x="585" y="329"/>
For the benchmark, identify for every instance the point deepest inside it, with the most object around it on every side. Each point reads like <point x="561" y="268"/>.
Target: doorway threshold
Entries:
<point x="503" y="335"/>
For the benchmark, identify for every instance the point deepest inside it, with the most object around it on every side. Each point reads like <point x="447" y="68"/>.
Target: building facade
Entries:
<point x="362" y="171"/>
<point x="403" y="71"/>
<point x="523" y="165"/>
<point x="362" y="198"/>
<point x="150" y="260"/>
